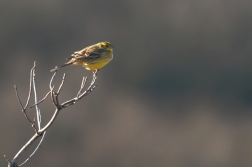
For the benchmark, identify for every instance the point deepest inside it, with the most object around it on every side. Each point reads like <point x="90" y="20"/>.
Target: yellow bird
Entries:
<point x="92" y="57"/>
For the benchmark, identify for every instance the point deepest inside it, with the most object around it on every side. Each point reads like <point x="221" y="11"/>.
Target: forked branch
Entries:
<point x="41" y="131"/>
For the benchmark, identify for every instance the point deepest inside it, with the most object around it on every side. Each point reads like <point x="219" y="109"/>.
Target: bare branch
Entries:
<point x="38" y="114"/>
<point x="51" y="81"/>
<point x="56" y="112"/>
<point x="84" y="80"/>
<point x="34" y="137"/>
<point x="80" y="96"/>
<point x="30" y="87"/>
<point x="29" y="95"/>
<point x="62" y="82"/>
<point x="20" y="103"/>
<point x="41" y="131"/>
<point x="42" y="138"/>
<point x="54" y="100"/>
<point x="23" y="109"/>
<point x="56" y="95"/>
<point x="9" y="163"/>
<point x="34" y="127"/>
<point x="41" y="99"/>
<point x="53" y="94"/>
<point x="58" y="106"/>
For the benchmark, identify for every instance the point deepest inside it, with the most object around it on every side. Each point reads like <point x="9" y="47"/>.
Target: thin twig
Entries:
<point x="34" y="126"/>
<point x="52" y="91"/>
<point x="51" y="81"/>
<point x="41" y="99"/>
<point x="56" y="95"/>
<point x="53" y="99"/>
<point x="21" y="105"/>
<point x="80" y="96"/>
<point x="83" y="82"/>
<point x="38" y="114"/>
<point x="30" y="87"/>
<point x="7" y="159"/>
<point x="87" y="92"/>
<point x="62" y="82"/>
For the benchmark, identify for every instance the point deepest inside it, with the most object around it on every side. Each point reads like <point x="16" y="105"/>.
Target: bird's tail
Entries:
<point x="56" y="68"/>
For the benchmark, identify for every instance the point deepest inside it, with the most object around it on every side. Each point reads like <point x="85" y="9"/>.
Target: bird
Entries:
<point x="93" y="57"/>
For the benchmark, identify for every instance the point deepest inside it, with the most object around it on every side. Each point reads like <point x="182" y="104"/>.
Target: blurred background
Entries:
<point x="178" y="92"/>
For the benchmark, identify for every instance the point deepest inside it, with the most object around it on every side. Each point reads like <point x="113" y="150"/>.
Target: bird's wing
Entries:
<point x="87" y="55"/>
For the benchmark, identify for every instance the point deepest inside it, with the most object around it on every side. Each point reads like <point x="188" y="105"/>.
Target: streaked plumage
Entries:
<point x="92" y="57"/>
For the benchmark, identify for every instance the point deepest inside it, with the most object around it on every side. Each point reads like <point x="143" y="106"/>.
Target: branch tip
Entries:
<point x="7" y="159"/>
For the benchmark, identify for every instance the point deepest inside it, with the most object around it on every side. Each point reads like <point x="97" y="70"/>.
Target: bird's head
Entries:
<point x="105" y="45"/>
